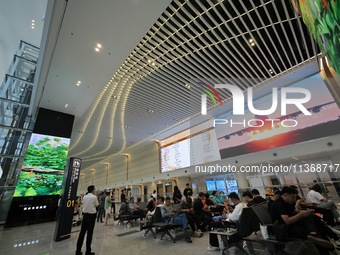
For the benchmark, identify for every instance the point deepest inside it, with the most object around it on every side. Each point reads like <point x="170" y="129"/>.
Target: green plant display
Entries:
<point x="322" y="17"/>
<point x="43" y="167"/>
<point x="45" y="155"/>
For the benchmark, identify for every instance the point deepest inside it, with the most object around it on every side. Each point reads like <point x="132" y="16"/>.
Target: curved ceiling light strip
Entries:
<point x="205" y="48"/>
<point x="85" y="123"/>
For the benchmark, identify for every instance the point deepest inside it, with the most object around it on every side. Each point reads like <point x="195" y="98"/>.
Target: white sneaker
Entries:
<point x="213" y="248"/>
<point x="198" y="234"/>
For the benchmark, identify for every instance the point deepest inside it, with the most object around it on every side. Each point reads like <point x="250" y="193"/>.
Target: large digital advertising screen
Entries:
<point x="43" y="166"/>
<point x="242" y="134"/>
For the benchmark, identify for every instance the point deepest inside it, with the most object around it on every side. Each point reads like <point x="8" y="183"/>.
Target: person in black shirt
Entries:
<point x="177" y="196"/>
<point x="273" y="198"/>
<point x="123" y="196"/>
<point x="300" y="224"/>
<point x="248" y="198"/>
<point x="202" y="211"/>
<point x="256" y="197"/>
<point x="186" y="190"/>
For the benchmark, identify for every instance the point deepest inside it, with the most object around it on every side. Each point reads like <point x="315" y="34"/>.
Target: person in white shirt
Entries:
<point x="90" y="204"/>
<point x="314" y="196"/>
<point x="239" y="205"/>
<point x="233" y="216"/>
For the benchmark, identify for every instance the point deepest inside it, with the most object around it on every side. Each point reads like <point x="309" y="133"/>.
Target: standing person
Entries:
<point x="113" y="206"/>
<point x="154" y="194"/>
<point x="177" y="196"/>
<point x="107" y="205"/>
<point x="90" y="203"/>
<point x="101" y="210"/>
<point x="123" y="196"/>
<point x="186" y="190"/>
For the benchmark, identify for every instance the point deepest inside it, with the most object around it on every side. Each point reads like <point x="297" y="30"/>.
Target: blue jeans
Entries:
<point x="181" y="219"/>
<point x="330" y="204"/>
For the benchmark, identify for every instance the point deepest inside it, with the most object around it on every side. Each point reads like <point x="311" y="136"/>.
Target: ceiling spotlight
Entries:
<point x="153" y="63"/>
<point x="99" y="45"/>
<point x="149" y="61"/>
<point x="96" y="49"/>
<point x="251" y="40"/>
<point x="271" y="71"/>
<point x="252" y="44"/>
<point x="150" y="110"/>
<point x="33" y="20"/>
<point x="32" y="27"/>
<point x="66" y="105"/>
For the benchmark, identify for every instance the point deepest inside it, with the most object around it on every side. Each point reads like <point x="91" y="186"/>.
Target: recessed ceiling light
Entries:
<point x="66" y="105"/>
<point x="271" y="71"/>
<point x="153" y="63"/>
<point x="32" y="27"/>
<point x="252" y="44"/>
<point x="251" y="40"/>
<point x="99" y="45"/>
<point x="149" y="61"/>
<point x="33" y="20"/>
<point x="96" y="49"/>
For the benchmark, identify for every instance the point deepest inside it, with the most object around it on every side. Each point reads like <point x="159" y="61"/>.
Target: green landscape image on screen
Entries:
<point x="43" y="167"/>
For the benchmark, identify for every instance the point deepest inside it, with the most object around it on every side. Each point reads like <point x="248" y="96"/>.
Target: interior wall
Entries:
<point x="139" y="162"/>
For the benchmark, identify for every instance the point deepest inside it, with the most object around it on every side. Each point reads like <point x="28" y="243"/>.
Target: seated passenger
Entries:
<point x="202" y="211"/>
<point x="169" y="214"/>
<point x="233" y="216"/>
<point x="134" y="208"/>
<point x="194" y="222"/>
<point x="314" y="196"/>
<point x="239" y="205"/>
<point x="248" y="198"/>
<point x="300" y="224"/>
<point x="300" y="204"/>
<point x="256" y="197"/>
<point x="216" y="198"/>
<point x="273" y="198"/>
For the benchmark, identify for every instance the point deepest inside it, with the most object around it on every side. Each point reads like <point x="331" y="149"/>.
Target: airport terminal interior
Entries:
<point x="205" y="126"/>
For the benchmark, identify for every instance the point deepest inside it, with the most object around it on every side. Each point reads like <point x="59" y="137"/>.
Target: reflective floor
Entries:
<point x="38" y="239"/>
<point x="109" y="240"/>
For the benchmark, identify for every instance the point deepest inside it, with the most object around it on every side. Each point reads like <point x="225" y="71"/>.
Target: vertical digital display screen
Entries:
<point x="43" y="168"/>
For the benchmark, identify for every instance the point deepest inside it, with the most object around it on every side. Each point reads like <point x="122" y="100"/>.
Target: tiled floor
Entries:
<point x="38" y="240"/>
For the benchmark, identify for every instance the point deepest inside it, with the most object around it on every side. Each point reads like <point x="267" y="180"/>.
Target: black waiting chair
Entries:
<point x="274" y="246"/>
<point x="237" y="232"/>
<point x="161" y="226"/>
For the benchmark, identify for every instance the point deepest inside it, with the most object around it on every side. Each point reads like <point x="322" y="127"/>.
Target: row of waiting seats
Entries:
<point x="248" y="224"/>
